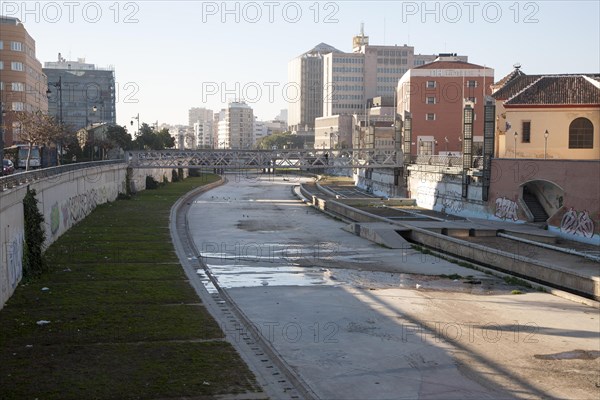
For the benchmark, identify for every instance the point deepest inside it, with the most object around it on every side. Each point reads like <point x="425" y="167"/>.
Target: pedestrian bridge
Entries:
<point x="261" y="159"/>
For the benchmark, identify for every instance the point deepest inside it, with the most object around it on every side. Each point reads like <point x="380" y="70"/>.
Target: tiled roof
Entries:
<point x="515" y="73"/>
<point x="555" y="90"/>
<point x="513" y="86"/>
<point x="449" y="65"/>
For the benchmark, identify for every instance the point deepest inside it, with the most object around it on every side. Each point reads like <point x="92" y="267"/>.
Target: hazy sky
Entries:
<point x="170" y="56"/>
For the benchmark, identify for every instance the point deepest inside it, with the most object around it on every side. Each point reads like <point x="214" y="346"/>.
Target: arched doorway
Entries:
<point x="542" y="198"/>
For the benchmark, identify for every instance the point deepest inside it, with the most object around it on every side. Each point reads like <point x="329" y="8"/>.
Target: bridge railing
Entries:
<point x="21" y="178"/>
<point x="258" y="159"/>
<point x="444" y="160"/>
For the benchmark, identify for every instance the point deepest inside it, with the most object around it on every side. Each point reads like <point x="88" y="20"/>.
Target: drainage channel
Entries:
<point x="581" y="284"/>
<point x="276" y="377"/>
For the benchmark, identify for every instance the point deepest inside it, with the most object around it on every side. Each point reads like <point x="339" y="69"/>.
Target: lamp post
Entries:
<point x="546" y="134"/>
<point x="95" y="108"/>
<point x="138" y="123"/>
<point x="1" y="135"/>
<point x="516" y="135"/>
<point x="330" y="136"/>
<point x="58" y="85"/>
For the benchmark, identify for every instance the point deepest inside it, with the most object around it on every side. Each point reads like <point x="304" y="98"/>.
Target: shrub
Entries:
<point x="151" y="183"/>
<point x="34" y="262"/>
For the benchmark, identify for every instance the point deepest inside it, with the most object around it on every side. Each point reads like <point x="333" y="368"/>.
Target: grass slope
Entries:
<point x="124" y="321"/>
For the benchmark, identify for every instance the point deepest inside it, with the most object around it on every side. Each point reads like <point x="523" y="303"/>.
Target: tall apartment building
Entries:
<point x="305" y="72"/>
<point x="236" y="129"/>
<point x="88" y="92"/>
<point x="350" y="79"/>
<point x="435" y="94"/>
<point x="196" y="114"/>
<point x="203" y="132"/>
<point x="201" y="120"/>
<point x="23" y="84"/>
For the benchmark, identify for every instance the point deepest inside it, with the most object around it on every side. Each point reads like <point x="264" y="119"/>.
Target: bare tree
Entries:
<point x="38" y="129"/>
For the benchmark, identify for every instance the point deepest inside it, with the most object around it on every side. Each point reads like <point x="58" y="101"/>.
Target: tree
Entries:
<point x="150" y="139"/>
<point x="38" y="129"/>
<point x="119" y="136"/>
<point x="283" y="140"/>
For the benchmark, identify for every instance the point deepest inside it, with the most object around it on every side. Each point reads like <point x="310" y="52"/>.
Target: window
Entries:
<point x="17" y="87"/>
<point x="16" y="66"/>
<point x="581" y="134"/>
<point x="430" y="84"/>
<point x="425" y="147"/>
<point x="1" y="45"/>
<point x="430" y="99"/>
<point x="526" y="136"/>
<point x="16" y="128"/>
<point x="17" y="106"/>
<point x="1" y="65"/>
<point x="16" y="46"/>
<point x="471" y="83"/>
<point x="430" y="117"/>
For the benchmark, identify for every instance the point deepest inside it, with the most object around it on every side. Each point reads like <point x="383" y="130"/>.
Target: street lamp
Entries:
<point x="58" y="85"/>
<point x="138" y="122"/>
<point x="546" y="134"/>
<point x="330" y="136"/>
<point x="1" y="134"/>
<point x="516" y="135"/>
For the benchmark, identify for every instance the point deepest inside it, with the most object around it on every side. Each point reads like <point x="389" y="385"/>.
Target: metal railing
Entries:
<point x="446" y="161"/>
<point x="22" y="178"/>
<point x="257" y="159"/>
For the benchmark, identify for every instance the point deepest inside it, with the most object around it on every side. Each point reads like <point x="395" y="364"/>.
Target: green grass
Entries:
<point x="124" y="321"/>
<point x="511" y="280"/>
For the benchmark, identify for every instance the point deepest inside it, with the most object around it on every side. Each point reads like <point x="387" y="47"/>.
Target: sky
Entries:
<point x="170" y="56"/>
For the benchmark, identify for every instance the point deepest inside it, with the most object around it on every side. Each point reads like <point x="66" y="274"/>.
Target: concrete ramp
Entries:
<point x="381" y="233"/>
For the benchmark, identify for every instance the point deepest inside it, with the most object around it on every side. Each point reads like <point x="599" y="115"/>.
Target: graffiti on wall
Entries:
<point x="75" y="208"/>
<point x="427" y="196"/>
<point x="452" y="202"/>
<point x="577" y="223"/>
<point x="14" y="266"/>
<point x="506" y="209"/>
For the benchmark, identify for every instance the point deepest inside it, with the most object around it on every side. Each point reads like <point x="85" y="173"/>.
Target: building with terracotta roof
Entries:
<point x="435" y="95"/>
<point x="548" y="116"/>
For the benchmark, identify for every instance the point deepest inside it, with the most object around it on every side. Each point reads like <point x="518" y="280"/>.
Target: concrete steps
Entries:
<point x="539" y="214"/>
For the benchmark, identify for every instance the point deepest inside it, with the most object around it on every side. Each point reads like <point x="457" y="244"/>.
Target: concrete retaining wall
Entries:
<point x="510" y="262"/>
<point x="64" y="200"/>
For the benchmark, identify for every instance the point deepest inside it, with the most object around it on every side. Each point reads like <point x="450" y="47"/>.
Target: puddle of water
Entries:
<point x="570" y="355"/>
<point x="239" y="275"/>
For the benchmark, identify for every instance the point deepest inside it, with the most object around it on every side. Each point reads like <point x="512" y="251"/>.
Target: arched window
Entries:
<point x="581" y="134"/>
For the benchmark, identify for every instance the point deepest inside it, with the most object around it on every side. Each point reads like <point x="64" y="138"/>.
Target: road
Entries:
<point x="355" y="320"/>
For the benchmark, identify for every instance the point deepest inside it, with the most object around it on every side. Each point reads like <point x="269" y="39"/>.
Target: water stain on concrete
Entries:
<point x="570" y="355"/>
<point x="257" y="225"/>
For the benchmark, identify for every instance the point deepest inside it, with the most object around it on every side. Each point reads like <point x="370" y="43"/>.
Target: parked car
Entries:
<point x="7" y="167"/>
